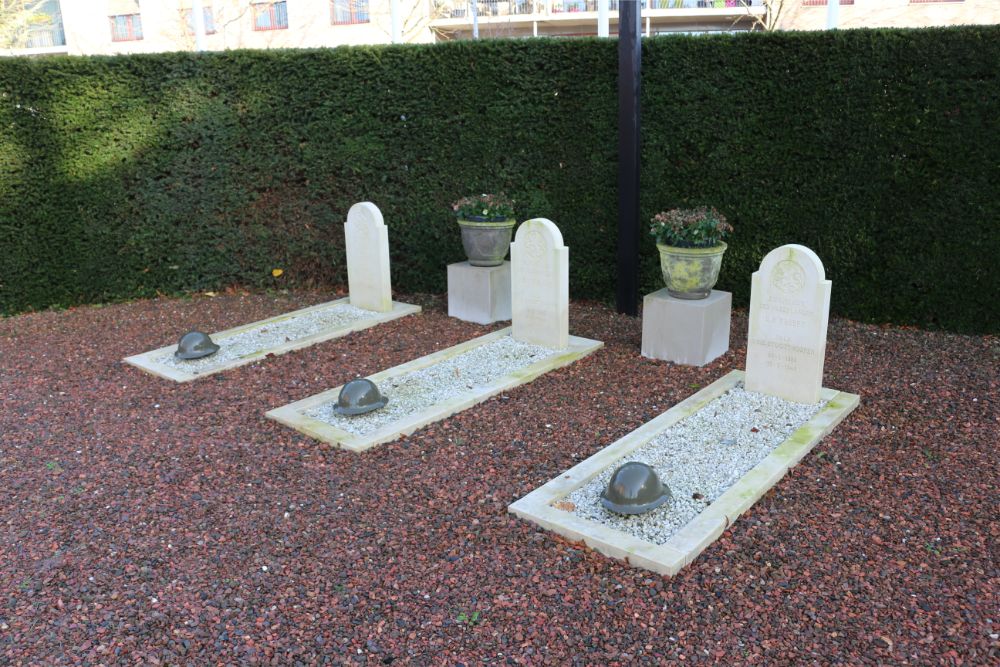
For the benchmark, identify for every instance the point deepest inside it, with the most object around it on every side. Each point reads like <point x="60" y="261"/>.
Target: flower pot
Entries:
<point x="690" y="273"/>
<point x="486" y="241"/>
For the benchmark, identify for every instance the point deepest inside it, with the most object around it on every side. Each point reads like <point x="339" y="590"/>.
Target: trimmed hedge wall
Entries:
<point x="124" y="177"/>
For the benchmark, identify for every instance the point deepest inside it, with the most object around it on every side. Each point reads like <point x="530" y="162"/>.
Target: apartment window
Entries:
<point x="209" y="20"/>
<point x="126" y="27"/>
<point x="822" y="3"/>
<point x="346" y="12"/>
<point x="270" y="15"/>
<point x="45" y="28"/>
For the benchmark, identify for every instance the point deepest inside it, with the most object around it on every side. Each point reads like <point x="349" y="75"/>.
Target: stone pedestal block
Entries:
<point x="479" y="294"/>
<point x="689" y="332"/>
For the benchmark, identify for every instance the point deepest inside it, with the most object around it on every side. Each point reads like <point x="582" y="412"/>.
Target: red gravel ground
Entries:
<point x="146" y="522"/>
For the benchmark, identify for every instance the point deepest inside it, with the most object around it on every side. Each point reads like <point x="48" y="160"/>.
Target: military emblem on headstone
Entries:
<point x="788" y="277"/>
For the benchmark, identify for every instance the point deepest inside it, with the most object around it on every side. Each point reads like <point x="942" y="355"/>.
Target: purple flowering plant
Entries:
<point x="701" y="227"/>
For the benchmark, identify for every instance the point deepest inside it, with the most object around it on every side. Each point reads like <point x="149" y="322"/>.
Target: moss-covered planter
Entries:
<point x="690" y="273"/>
<point x="486" y="240"/>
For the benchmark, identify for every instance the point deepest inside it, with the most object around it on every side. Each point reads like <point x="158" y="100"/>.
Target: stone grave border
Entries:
<point x="703" y="529"/>
<point x="293" y="414"/>
<point x="146" y="360"/>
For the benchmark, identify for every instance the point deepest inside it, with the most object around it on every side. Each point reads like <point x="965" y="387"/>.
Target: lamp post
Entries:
<point x="629" y="77"/>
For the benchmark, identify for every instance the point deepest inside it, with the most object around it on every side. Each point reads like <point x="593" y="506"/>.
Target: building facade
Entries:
<point x="84" y="27"/>
<point x="454" y="19"/>
<point x="811" y="14"/>
<point x="145" y="26"/>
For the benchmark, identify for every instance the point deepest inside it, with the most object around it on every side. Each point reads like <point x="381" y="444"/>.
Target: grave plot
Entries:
<point x="430" y="388"/>
<point x="276" y="335"/>
<point x="437" y="386"/>
<point x="722" y="448"/>
<point x="370" y="303"/>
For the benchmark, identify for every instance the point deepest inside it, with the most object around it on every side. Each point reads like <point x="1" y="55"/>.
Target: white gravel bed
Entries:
<point x="698" y="458"/>
<point x="418" y="390"/>
<point x="269" y="336"/>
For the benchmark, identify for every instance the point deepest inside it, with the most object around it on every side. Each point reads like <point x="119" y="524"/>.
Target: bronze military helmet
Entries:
<point x="634" y="488"/>
<point x="195" y="345"/>
<point x="358" y="397"/>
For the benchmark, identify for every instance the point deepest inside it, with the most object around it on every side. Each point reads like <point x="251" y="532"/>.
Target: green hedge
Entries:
<point x="129" y="176"/>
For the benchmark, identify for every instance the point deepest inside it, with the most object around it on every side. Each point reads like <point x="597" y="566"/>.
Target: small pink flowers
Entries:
<point x="701" y="227"/>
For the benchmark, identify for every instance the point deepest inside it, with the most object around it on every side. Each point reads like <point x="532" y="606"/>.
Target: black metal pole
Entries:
<point x="629" y="124"/>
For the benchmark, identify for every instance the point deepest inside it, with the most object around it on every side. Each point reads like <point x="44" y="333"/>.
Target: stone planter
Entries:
<point x="486" y="241"/>
<point x="690" y="273"/>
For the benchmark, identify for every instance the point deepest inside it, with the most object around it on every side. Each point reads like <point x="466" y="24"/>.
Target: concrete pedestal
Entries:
<point x="686" y="332"/>
<point x="479" y="294"/>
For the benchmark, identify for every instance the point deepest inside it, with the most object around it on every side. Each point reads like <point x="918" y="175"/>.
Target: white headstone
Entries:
<point x="539" y="291"/>
<point x="367" y="243"/>
<point x="789" y="309"/>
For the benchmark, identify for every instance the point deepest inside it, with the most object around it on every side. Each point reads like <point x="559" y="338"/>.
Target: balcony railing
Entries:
<point x="45" y="36"/>
<point x="580" y="6"/>
<point x="703" y="4"/>
<point x="461" y="9"/>
<point x="458" y="9"/>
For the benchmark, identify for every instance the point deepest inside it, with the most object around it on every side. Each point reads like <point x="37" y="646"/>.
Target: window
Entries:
<point x="270" y="15"/>
<point x="822" y="3"/>
<point x="919" y="2"/>
<point x="44" y="28"/>
<point x="209" y="20"/>
<point x="345" y="12"/>
<point x="126" y="28"/>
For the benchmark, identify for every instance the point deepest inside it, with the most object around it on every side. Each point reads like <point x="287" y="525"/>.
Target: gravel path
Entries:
<point x="269" y="336"/>
<point x="418" y="390"/>
<point x="698" y="459"/>
<point x="145" y="522"/>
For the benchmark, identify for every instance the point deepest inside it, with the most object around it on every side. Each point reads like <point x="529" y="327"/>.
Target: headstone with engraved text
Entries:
<point x="789" y="309"/>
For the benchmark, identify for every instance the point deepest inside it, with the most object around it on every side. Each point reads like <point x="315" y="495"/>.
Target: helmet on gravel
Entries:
<point x="358" y="397"/>
<point x="195" y="345"/>
<point x="634" y="488"/>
